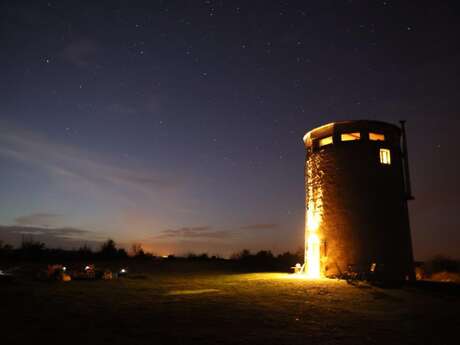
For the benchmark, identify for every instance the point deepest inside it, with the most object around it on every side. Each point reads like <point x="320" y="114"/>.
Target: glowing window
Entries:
<point x="325" y="141"/>
<point x="376" y="137"/>
<point x="385" y="156"/>
<point x="350" y="136"/>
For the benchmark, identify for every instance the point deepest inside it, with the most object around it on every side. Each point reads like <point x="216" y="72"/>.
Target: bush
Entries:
<point x="444" y="264"/>
<point x="109" y="250"/>
<point x="32" y="249"/>
<point x="5" y="249"/>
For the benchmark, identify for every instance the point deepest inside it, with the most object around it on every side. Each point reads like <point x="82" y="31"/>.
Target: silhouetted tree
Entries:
<point x="442" y="263"/>
<point x="108" y="249"/>
<point x="121" y="253"/>
<point x="288" y="259"/>
<point x="5" y="249"/>
<point x="265" y="254"/>
<point x="191" y="256"/>
<point x="85" y="252"/>
<point x="264" y="260"/>
<point x="31" y="248"/>
<point x="245" y="253"/>
<point x="137" y="250"/>
<point x="203" y="256"/>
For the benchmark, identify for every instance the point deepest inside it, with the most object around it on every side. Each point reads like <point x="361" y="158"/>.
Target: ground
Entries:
<point x="224" y="308"/>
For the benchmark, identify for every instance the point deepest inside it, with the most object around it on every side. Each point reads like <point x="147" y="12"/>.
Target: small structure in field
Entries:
<point x="58" y="272"/>
<point x="88" y="273"/>
<point x="107" y="275"/>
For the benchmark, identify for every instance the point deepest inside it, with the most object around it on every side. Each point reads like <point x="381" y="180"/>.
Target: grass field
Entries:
<point x="224" y="308"/>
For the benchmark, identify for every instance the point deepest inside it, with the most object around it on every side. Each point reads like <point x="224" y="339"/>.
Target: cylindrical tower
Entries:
<point x="356" y="200"/>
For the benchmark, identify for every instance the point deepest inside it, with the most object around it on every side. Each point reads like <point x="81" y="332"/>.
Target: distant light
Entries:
<point x="87" y="268"/>
<point x="64" y="268"/>
<point x="123" y="270"/>
<point x="297" y="265"/>
<point x="165" y="256"/>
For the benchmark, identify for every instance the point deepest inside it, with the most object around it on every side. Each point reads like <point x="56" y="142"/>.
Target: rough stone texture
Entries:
<point x="362" y="203"/>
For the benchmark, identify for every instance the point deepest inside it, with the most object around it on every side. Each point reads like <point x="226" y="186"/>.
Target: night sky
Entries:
<point x="179" y="124"/>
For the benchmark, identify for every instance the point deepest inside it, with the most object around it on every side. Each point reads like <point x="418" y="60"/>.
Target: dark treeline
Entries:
<point x="440" y="263"/>
<point x="265" y="260"/>
<point x="31" y="249"/>
<point x="244" y="261"/>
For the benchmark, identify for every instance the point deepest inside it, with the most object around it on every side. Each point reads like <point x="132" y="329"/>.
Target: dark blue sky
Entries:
<point x="178" y="124"/>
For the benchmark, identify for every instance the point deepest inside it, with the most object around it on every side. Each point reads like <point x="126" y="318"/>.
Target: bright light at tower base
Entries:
<point x="313" y="269"/>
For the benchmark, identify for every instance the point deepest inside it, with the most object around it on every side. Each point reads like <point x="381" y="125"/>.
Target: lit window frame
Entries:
<point x="350" y="136"/>
<point x="325" y="141"/>
<point x="385" y="156"/>
<point x="376" y="136"/>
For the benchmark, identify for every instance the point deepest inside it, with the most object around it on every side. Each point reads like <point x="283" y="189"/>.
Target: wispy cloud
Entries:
<point x="53" y="237"/>
<point x="201" y="232"/>
<point x="38" y="219"/>
<point x="74" y="163"/>
<point x="65" y="232"/>
<point x="208" y="232"/>
<point x="259" y="226"/>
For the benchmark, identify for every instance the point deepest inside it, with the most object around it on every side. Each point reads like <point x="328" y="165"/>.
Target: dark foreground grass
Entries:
<point x="213" y="308"/>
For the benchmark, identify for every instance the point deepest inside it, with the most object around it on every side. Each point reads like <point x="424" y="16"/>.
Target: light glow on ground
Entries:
<point x="285" y="276"/>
